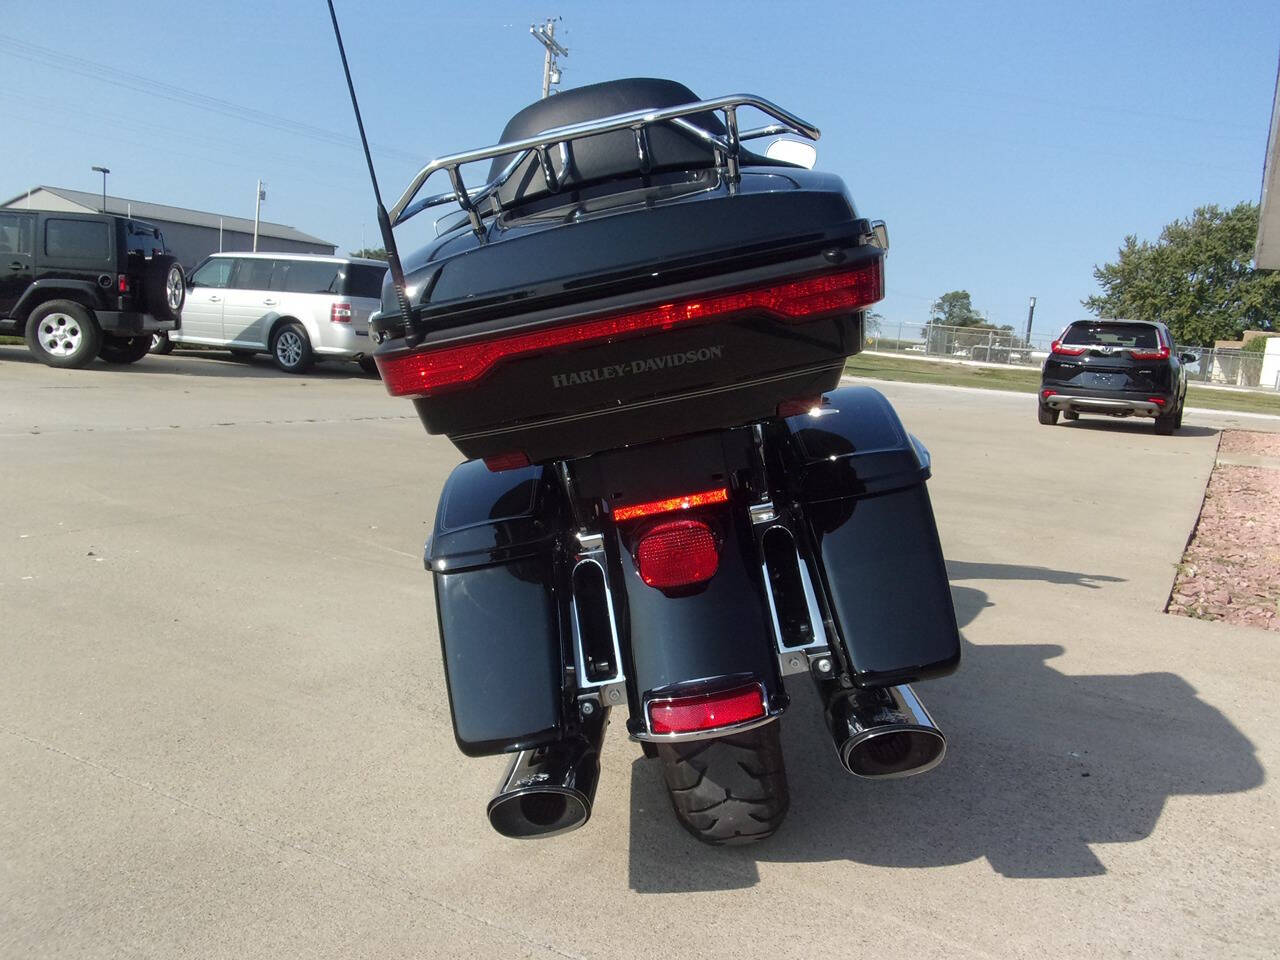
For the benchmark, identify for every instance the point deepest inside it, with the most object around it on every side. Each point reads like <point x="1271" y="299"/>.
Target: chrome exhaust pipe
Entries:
<point x="883" y="733"/>
<point x="550" y="790"/>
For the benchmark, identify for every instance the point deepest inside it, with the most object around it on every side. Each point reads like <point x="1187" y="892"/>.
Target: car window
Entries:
<point x="215" y="273"/>
<point x="15" y="233"/>
<point x="307" y="276"/>
<point x="364" y="281"/>
<point x="145" y="240"/>
<point x="253" y="274"/>
<point x="76" y="239"/>
<point x="1111" y="335"/>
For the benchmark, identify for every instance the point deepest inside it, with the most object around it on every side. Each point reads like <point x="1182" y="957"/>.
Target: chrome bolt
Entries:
<point x="587" y="707"/>
<point x="824" y="665"/>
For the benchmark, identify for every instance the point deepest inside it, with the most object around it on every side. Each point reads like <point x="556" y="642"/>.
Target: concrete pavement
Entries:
<point x="224" y="730"/>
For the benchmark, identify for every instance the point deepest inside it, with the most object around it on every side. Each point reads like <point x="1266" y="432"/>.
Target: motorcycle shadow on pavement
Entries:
<point x="1040" y="766"/>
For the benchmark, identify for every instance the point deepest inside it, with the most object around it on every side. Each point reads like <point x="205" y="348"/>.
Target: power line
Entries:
<point x="149" y="85"/>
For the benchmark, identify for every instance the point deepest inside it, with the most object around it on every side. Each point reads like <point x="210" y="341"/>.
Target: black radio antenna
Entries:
<point x="384" y="222"/>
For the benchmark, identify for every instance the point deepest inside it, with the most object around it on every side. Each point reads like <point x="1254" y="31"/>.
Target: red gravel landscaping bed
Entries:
<point x="1231" y="569"/>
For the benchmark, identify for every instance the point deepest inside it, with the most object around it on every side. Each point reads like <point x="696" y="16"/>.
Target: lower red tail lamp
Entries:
<point x="677" y="553"/>
<point x="707" y="711"/>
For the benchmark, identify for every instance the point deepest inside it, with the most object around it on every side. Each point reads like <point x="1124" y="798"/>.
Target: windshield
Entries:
<point x="1112" y="335"/>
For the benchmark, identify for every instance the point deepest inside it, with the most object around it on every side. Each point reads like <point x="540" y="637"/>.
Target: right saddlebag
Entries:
<point x="859" y="478"/>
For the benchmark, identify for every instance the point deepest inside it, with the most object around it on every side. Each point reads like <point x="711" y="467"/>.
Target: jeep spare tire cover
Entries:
<point x="165" y="289"/>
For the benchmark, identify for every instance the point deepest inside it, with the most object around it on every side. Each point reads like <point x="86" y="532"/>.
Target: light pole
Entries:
<point x="104" y="171"/>
<point x="1031" y="312"/>
<point x="257" y="212"/>
<point x="546" y="35"/>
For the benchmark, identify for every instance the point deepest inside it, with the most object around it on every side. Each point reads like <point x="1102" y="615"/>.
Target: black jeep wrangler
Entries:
<point x="78" y="286"/>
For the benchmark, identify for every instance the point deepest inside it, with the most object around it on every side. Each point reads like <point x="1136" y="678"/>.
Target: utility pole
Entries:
<point x="257" y="212"/>
<point x="104" y="171"/>
<point x="1031" y="312"/>
<point x="546" y="35"/>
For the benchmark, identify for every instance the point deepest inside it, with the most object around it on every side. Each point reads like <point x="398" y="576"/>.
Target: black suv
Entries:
<point x="80" y="286"/>
<point x="1120" y="368"/>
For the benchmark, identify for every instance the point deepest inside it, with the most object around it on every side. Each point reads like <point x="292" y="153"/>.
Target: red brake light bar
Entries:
<point x="707" y="711"/>
<point x="1058" y="347"/>
<point x="704" y="498"/>
<point x="428" y="371"/>
<point x="1161" y="354"/>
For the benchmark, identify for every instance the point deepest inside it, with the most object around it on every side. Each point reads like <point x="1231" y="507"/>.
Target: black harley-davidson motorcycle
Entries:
<point x="634" y="331"/>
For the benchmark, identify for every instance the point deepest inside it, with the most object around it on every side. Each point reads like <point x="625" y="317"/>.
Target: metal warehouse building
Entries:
<point x="191" y="235"/>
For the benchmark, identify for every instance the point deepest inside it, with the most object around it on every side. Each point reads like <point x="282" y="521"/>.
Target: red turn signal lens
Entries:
<point x="1047" y="393"/>
<point x="122" y="282"/>
<point x="704" y="498"/>
<point x="677" y="553"/>
<point x="706" y="711"/>
<point x="506" y="461"/>
<point x="1058" y="347"/>
<point x="429" y="371"/>
<point x="340" y="313"/>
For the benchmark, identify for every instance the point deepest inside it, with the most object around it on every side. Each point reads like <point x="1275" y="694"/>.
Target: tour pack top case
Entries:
<point x="628" y="273"/>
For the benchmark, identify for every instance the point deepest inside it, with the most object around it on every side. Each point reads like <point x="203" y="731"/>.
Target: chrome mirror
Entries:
<point x="793" y="151"/>
<point x="880" y="234"/>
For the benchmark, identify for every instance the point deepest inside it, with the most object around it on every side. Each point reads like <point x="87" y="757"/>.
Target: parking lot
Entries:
<point x="224" y="729"/>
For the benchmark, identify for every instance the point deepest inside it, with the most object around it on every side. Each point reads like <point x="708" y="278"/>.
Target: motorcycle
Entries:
<point x="635" y="332"/>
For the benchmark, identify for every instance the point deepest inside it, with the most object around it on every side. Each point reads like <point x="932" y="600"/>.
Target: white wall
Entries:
<point x="1271" y="365"/>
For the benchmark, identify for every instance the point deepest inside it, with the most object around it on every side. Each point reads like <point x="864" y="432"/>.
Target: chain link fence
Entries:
<point x="1233" y="368"/>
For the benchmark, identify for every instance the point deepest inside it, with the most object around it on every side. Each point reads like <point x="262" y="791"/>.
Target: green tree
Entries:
<point x="954" y="309"/>
<point x="1197" y="278"/>
<point x="370" y="253"/>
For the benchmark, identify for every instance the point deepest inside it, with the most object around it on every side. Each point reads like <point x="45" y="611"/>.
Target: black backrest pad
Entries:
<point x="606" y="155"/>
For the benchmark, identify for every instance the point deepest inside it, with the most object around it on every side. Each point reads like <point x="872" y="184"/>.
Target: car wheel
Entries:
<point x="1177" y="420"/>
<point x="1070" y="415"/>
<point x="61" y="333"/>
<point x="1046" y="416"/>
<point x="160" y="343"/>
<point x="124" y="349"/>
<point x="1166" y="423"/>
<point x="291" y="349"/>
<point x="369" y="367"/>
<point x="165" y="289"/>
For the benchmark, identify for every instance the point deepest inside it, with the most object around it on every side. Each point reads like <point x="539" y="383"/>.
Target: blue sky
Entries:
<point x="1010" y="146"/>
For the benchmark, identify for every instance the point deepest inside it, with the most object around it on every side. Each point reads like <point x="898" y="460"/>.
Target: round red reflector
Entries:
<point x="677" y="553"/>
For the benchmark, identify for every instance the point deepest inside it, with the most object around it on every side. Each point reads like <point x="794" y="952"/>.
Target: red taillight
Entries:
<point x="434" y="370"/>
<point x="506" y="461"/>
<point x="122" y="282"/>
<point x="677" y="553"/>
<point x="340" y="313"/>
<point x="1161" y="354"/>
<point x="706" y="711"/>
<point x="1158" y="401"/>
<point x="799" y="406"/>
<point x="704" y="498"/>
<point x="1047" y="393"/>
<point x="1058" y="347"/>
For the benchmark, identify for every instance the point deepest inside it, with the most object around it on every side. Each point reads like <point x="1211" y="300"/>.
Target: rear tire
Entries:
<point x="291" y="348"/>
<point x="1165" y="424"/>
<point x="160" y="343"/>
<point x="369" y="367"/>
<point x="61" y="333"/>
<point x="729" y="790"/>
<point x="1046" y="416"/>
<point x="125" y="349"/>
<point x="1177" y="421"/>
<point x="164" y="288"/>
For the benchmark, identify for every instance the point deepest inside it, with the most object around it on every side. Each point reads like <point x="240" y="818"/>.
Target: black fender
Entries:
<point x="492" y="555"/>
<point x="716" y="636"/>
<point x="859" y="479"/>
<point x="81" y="291"/>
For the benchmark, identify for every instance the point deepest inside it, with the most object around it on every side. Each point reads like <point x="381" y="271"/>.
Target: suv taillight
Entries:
<point x="122" y="282"/>
<point x="1060" y="348"/>
<point x="340" y="313"/>
<point x="677" y="553"/>
<point x="1161" y="354"/>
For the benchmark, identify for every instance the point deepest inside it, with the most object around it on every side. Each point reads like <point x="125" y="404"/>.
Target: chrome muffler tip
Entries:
<point x="549" y="790"/>
<point x="885" y="733"/>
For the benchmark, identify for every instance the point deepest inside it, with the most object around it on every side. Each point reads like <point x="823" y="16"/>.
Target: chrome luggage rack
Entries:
<point x="726" y="151"/>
